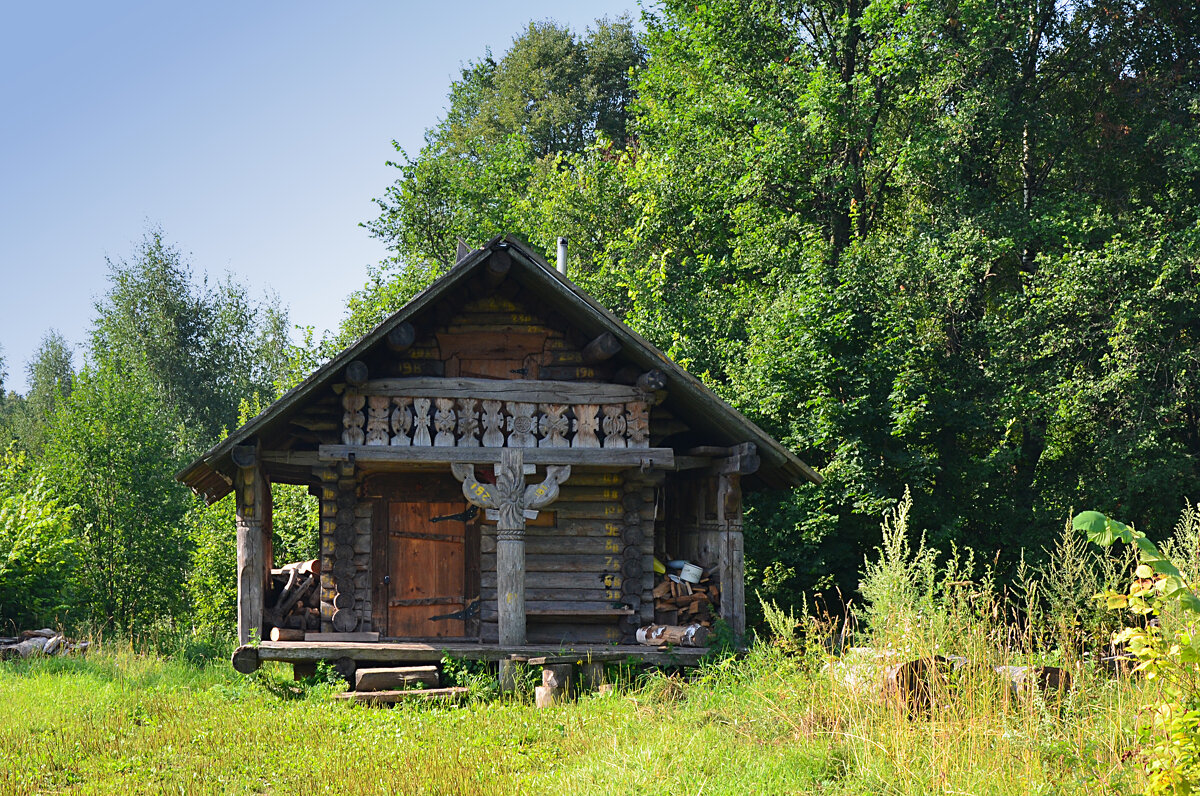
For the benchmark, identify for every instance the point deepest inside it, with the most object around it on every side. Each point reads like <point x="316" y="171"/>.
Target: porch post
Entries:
<point x="250" y="506"/>
<point x="510" y="547"/>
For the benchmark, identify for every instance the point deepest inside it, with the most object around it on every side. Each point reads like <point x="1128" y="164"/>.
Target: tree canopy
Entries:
<point x="940" y="245"/>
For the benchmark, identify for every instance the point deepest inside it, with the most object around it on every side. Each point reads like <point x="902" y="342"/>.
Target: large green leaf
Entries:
<point x="1100" y="529"/>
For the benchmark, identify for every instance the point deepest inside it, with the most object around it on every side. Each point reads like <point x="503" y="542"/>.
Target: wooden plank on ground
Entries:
<point x="391" y="697"/>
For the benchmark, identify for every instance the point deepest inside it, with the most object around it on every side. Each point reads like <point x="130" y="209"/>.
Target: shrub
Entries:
<point x="37" y="551"/>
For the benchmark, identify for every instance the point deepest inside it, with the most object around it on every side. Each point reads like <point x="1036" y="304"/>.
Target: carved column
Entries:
<point x="510" y="547"/>
<point x="511" y="501"/>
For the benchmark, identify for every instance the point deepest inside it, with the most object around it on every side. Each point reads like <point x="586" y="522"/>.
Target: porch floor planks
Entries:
<point x="422" y="652"/>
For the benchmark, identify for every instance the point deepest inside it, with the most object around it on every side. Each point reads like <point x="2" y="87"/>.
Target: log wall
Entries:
<point x="586" y="556"/>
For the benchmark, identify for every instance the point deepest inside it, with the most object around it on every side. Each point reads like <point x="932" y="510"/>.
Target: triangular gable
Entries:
<point x="687" y="396"/>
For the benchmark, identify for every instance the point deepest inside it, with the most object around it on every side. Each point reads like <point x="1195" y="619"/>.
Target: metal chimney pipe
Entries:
<point x="562" y="256"/>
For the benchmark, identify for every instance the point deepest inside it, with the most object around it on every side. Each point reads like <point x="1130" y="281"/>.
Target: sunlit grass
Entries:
<point x="128" y="723"/>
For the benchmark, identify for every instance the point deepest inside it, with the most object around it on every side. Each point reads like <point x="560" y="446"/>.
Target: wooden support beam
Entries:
<point x="525" y="390"/>
<point x="401" y="337"/>
<point x="648" y="458"/>
<point x="604" y="347"/>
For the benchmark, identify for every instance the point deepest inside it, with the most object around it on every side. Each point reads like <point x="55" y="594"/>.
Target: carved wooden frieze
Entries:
<point x="378" y="422"/>
<point x="468" y="423"/>
<point x="402" y="421"/>
<point x="421" y="422"/>
<point x="587" y="423"/>
<point x="352" y="418"/>
<point x="444" y="422"/>
<point x="493" y="421"/>
<point x="554" y="426"/>
<point x="614" y="425"/>
<point x="521" y="425"/>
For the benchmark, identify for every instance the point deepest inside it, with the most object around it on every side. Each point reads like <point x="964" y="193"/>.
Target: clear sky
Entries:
<point x="255" y="134"/>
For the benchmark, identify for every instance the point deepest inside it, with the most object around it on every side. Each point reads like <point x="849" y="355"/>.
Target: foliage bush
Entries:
<point x="37" y="548"/>
<point x="1165" y="641"/>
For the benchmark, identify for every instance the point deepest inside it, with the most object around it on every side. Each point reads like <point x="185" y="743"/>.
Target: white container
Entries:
<point x="691" y="573"/>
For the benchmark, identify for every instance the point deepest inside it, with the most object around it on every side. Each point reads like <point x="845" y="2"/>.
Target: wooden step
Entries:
<point x="389" y="697"/>
<point x="387" y="679"/>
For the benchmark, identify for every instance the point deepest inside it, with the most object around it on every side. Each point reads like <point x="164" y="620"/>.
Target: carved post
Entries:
<point x="513" y="502"/>
<point x="250" y="505"/>
<point x="510" y="547"/>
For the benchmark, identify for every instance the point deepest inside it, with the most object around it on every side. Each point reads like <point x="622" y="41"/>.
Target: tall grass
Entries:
<point x="797" y="714"/>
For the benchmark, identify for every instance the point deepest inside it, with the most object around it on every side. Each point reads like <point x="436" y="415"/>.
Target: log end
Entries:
<point x="245" y="659"/>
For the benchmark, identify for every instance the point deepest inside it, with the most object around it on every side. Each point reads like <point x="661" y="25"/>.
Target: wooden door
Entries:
<point x="431" y="563"/>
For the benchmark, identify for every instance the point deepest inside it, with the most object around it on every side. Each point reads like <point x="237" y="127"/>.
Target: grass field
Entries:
<point x="121" y="722"/>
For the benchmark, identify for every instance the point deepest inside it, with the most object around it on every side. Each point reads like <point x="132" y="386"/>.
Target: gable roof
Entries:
<point x="688" y="397"/>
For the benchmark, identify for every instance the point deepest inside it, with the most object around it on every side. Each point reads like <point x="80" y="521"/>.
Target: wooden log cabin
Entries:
<point x="498" y="465"/>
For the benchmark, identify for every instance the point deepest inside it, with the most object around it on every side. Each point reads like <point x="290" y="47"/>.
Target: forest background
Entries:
<point x="947" y="245"/>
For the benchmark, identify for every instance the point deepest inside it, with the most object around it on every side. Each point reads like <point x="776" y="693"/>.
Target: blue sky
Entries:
<point x="254" y="134"/>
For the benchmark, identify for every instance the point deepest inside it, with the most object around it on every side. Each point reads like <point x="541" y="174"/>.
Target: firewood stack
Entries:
<point x="683" y="603"/>
<point x="31" y="643"/>
<point x="294" y="602"/>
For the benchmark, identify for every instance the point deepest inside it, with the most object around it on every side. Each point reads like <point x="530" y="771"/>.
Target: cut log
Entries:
<point x="652" y="381"/>
<point x="394" y="678"/>
<point x="286" y="634"/>
<point x="344" y="621"/>
<point x="606" y="346"/>
<point x="245" y="659"/>
<point x="1048" y="680"/>
<point x="357" y="373"/>
<point x="304" y="669"/>
<point x="558" y="675"/>
<point x="593" y="675"/>
<point x="547" y="696"/>
<point x="45" y="632"/>
<point x="401" y="337"/>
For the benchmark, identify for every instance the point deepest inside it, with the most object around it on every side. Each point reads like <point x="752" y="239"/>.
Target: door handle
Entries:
<point x="387" y="579"/>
